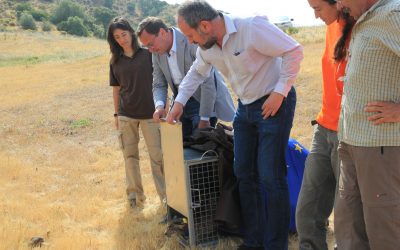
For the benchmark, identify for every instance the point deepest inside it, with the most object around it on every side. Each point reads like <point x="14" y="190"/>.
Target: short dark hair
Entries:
<point x="195" y="11"/>
<point x="151" y="25"/>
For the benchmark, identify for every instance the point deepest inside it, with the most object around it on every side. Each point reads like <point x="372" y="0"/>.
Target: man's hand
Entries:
<point x="159" y="113"/>
<point x="386" y="112"/>
<point x="272" y="104"/>
<point x="204" y="124"/>
<point x="175" y="113"/>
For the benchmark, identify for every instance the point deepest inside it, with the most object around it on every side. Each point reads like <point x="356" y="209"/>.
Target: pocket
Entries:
<point x="243" y="63"/>
<point x="396" y="218"/>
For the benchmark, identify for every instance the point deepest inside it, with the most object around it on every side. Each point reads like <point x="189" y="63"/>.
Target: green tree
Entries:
<point x="66" y="9"/>
<point x="108" y="3"/>
<point x="39" y="15"/>
<point x="151" y="7"/>
<point x="27" y="22"/>
<point x="23" y="7"/>
<point x="103" y="16"/>
<point x="98" y="31"/>
<point x="74" y="26"/>
<point x="131" y="7"/>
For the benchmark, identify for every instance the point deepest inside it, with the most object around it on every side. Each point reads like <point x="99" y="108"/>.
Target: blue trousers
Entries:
<point x="190" y="118"/>
<point x="260" y="167"/>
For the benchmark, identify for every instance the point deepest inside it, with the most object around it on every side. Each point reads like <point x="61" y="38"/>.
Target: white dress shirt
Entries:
<point x="256" y="57"/>
<point x="173" y="62"/>
<point x="173" y="66"/>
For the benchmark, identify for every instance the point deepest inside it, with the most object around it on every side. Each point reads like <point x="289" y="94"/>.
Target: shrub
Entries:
<point x="66" y="9"/>
<point x="27" y="22"/>
<point x="74" y="26"/>
<point x="39" y="15"/>
<point x="131" y="7"/>
<point x="108" y="3"/>
<point x="151" y="7"/>
<point x="46" y="26"/>
<point x="98" y="31"/>
<point x="103" y="16"/>
<point x="22" y="7"/>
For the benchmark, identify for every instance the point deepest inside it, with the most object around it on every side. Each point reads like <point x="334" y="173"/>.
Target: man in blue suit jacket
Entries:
<point x="173" y="56"/>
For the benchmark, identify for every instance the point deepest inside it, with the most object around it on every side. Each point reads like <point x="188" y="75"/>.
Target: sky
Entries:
<point x="299" y="10"/>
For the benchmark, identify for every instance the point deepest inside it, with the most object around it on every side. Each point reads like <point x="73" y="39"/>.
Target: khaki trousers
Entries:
<point x="129" y="141"/>
<point x="367" y="211"/>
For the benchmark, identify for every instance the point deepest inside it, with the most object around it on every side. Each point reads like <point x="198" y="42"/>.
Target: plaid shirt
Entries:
<point x="372" y="74"/>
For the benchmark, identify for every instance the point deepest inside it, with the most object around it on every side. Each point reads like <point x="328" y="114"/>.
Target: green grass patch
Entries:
<point x="81" y="123"/>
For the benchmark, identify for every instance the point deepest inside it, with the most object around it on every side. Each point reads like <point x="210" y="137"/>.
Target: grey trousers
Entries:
<point x="367" y="211"/>
<point x="318" y="189"/>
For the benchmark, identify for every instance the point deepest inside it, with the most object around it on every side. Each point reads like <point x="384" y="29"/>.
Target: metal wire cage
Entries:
<point x="204" y="190"/>
<point x="192" y="186"/>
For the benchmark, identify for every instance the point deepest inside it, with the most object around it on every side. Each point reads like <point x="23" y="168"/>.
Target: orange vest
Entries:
<point x="332" y="76"/>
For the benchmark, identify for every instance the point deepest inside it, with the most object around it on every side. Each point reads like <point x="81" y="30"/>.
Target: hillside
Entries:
<point x="134" y="10"/>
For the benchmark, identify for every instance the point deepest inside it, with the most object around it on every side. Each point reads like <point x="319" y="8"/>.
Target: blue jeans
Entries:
<point x="190" y="118"/>
<point x="259" y="163"/>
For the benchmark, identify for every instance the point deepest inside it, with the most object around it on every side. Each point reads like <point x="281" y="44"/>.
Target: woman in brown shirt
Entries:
<point x="131" y="79"/>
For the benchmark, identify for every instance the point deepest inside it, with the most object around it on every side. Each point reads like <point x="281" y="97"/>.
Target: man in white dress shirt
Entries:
<point x="261" y="62"/>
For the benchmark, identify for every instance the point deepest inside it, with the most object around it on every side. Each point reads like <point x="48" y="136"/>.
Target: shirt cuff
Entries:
<point x="204" y="118"/>
<point x="160" y="103"/>
<point x="283" y="88"/>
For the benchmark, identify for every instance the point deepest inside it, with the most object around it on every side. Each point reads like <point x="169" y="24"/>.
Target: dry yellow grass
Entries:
<point x="61" y="172"/>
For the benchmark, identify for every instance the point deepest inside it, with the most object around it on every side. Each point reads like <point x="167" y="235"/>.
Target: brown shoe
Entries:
<point x="132" y="203"/>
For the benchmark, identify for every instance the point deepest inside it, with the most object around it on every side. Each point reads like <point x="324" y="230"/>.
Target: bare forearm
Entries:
<point x="116" y="98"/>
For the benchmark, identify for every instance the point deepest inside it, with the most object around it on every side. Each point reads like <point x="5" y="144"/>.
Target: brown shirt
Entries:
<point x="134" y="76"/>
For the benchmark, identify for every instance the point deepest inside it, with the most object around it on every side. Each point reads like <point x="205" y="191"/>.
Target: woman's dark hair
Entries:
<point x="340" y="48"/>
<point x="116" y="50"/>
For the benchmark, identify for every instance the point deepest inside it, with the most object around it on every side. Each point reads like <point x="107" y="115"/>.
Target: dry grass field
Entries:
<point x="61" y="171"/>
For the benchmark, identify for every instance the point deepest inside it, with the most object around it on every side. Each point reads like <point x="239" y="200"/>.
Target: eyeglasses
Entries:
<point x="151" y="43"/>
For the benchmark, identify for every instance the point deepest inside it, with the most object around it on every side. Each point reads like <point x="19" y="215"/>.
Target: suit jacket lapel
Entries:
<point x="165" y="68"/>
<point x="180" y="52"/>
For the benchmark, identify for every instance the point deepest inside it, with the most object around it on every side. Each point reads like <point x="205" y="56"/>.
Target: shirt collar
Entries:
<point x="373" y="7"/>
<point x="230" y="28"/>
<point x="173" y="48"/>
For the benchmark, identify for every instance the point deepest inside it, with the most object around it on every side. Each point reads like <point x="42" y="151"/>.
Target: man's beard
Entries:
<point x="210" y="42"/>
